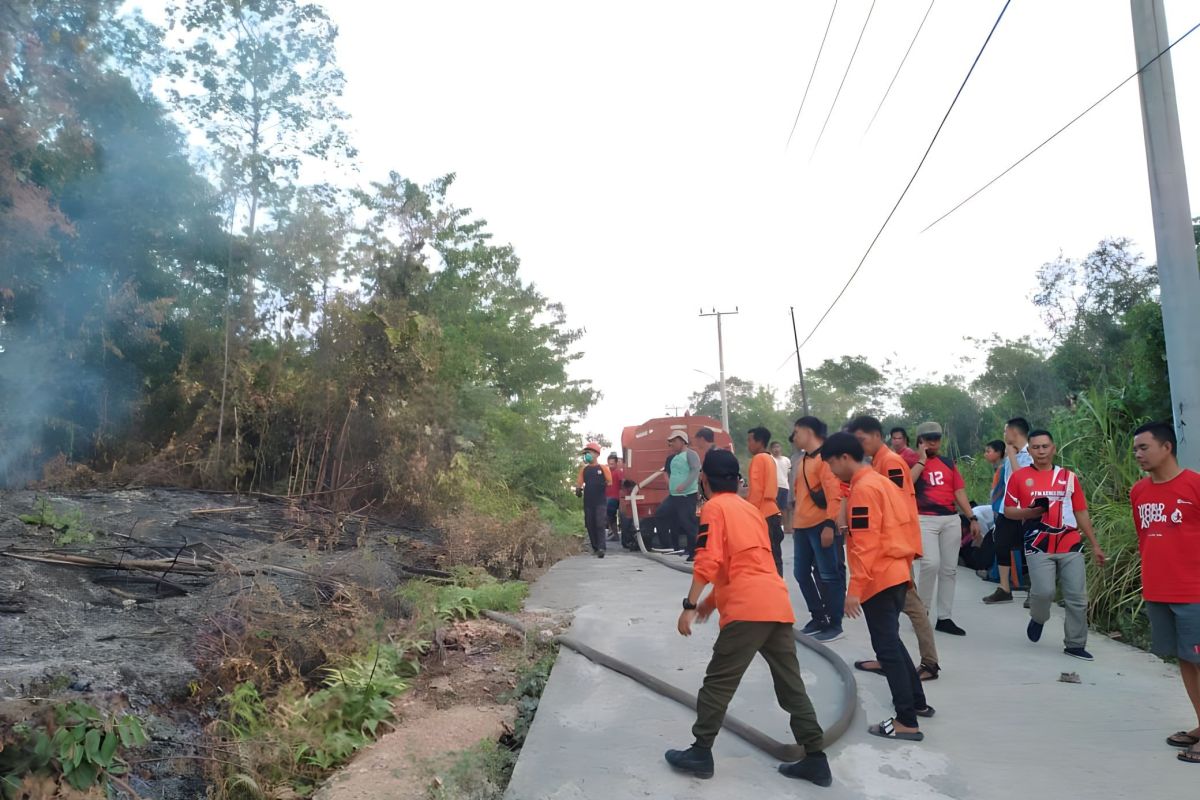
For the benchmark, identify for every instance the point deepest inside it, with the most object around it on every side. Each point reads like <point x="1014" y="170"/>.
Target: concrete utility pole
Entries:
<point x="1178" y="273"/>
<point x="799" y="366"/>
<point x="721" y="356"/>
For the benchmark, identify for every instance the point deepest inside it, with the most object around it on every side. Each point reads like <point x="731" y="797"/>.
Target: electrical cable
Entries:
<point x="820" y="50"/>
<point x="1054" y="135"/>
<point x="845" y="75"/>
<point x="900" y="67"/>
<point x="908" y="186"/>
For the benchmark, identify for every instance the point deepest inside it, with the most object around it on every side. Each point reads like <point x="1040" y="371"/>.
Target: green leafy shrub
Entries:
<point x="432" y="604"/>
<point x="81" y="744"/>
<point x="67" y="527"/>
<point x="478" y="773"/>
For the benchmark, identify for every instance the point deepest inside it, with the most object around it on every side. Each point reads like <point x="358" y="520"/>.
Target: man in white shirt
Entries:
<point x="783" y="466"/>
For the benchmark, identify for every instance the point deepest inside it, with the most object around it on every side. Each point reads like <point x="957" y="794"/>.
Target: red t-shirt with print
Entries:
<point x="1167" y="519"/>
<point x="1057" y="530"/>
<point x="936" y="488"/>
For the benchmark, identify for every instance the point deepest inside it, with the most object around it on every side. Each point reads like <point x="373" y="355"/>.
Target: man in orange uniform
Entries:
<point x="880" y="550"/>
<point x="733" y="553"/>
<point x="815" y="537"/>
<point x="764" y="489"/>
<point x="893" y="466"/>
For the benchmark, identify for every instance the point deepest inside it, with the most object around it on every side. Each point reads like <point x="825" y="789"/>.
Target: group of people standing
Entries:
<point x="895" y="515"/>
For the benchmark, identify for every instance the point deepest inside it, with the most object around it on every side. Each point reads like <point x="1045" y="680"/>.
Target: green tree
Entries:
<point x="951" y="406"/>
<point x="1019" y="381"/>
<point x="842" y="388"/>
<point x="260" y="79"/>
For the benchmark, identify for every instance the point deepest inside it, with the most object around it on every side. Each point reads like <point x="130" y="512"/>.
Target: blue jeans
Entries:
<point x="821" y="573"/>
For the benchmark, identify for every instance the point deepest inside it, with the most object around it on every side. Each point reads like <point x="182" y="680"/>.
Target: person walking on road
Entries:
<point x="1007" y="535"/>
<point x="763" y="491"/>
<point x="683" y="480"/>
<point x="889" y="464"/>
<point x="816" y="540"/>
<point x="881" y="548"/>
<point x="939" y="489"/>
<point x="591" y="484"/>
<point x="612" y="496"/>
<point x="1166" y="515"/>
<point x="1049" y="501"/>
<point x="733" y="554"/>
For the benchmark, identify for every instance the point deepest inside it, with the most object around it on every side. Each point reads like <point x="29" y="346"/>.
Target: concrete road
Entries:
<point x="1005" y="726"/>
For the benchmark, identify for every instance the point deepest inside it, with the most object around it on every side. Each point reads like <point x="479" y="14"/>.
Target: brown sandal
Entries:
<point x="928" y="672"/>
<point x="1182" y="739"/>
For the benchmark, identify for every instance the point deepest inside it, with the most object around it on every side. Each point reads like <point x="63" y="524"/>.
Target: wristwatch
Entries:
<point x="972" y="519"/>
<point x="688" y="605"/>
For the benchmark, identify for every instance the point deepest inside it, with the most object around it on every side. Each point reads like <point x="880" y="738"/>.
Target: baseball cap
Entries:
<point x="679" y="435"/>
<point x="721" y="464"/>
<point x="929" y="429"/>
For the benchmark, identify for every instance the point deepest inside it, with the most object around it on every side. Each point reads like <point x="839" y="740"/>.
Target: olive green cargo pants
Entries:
<point x="736" y="646"/>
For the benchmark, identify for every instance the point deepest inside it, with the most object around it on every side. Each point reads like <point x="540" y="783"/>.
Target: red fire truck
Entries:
<point x="644" y="448"/>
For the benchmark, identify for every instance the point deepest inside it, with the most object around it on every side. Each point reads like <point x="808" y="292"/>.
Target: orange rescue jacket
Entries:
<point x="814" y="474"/>
<point x="879" y="535"/>
<point x="892" y="466"/>
<point x="764" y="484"/>
<point x="733" y="553"/>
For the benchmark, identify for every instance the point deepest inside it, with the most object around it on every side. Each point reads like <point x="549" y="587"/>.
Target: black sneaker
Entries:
<point x="1034" y="631"/>
<point x="1026" y="603"/>
<point x="1080" y="653"/>
<point x="948" y="626"/>
<point x="814" y="626"/>
<point x="601" y="554"/>
<point x="696" y="760"/>
<point x="814" y="768"/>
<point x="998" y="596"/>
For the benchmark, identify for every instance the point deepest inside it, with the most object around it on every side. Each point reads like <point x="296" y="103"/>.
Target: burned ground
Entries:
<point x="179" y="595"/>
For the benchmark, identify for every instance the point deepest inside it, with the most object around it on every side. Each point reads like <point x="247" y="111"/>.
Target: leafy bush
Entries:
<point x="81" y="745"/>
<point x="67" y="527"/>
<point x="431" y="604"/>
<point x="1095" y="440"/>
<point x="479" y="773"/>
<point x="298" y="738"/>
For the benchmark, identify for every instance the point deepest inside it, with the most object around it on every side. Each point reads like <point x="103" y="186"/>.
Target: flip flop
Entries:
<point x="1189" y="756"/>
<point x="887" y="730"/>
<point x="1180" y="739"/>
<point x="862" y="665"/>
<point x="927" y="711"/>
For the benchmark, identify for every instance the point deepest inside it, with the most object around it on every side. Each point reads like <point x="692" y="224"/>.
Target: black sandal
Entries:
<point x="930" y="672"/>
<point x="1189" y="756"/>
<point x="1180" y="739"/>
<point x="927" y="711"/>
<point x="862" y="665"/>
<point x="887" y="730"/>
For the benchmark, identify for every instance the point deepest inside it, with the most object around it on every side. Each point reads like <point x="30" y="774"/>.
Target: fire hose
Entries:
<point x="745" y="731"/>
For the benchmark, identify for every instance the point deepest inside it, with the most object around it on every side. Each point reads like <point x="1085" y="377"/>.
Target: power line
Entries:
<point x="908" y="186"/>
<point x="844" y="76"/>
<point x="900" y="67"/>
<point x="821" y="49"/>
<point x="1054" y="135"/>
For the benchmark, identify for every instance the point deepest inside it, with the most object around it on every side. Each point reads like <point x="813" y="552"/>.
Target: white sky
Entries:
<point x="633" y="153"/>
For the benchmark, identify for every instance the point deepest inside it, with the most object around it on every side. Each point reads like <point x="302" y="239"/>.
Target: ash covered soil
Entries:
<point x="178" y="592"/>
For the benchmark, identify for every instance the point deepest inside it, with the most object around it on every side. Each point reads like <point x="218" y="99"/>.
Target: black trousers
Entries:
<point x="775" y="528"/>
<point x="595" y="519"/>
<point x="680" y="514"/>
<point x="882" y="612"/>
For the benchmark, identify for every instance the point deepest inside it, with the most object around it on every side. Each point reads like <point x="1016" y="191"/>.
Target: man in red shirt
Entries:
<point x="899" y="445"/>
<point x="612" y="496"/>
<point x="733" y="553"/>
<point x="1166" y="515"/>
<point x="939" y="489"/>
<point x="1049" y="501"/>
